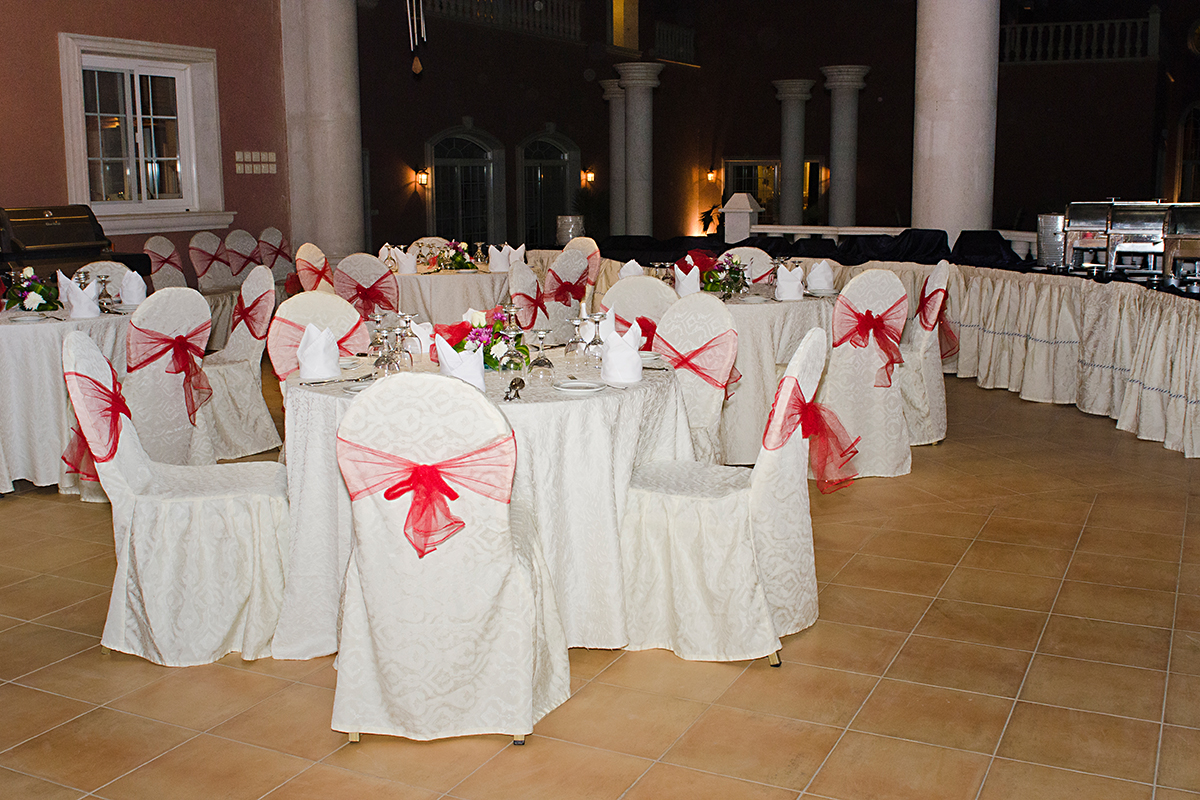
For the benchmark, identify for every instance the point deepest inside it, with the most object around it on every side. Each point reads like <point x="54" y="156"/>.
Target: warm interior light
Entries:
<point x="423" y="177"/>
<point x="590" y="175"/>
<point x="712" y="175"/>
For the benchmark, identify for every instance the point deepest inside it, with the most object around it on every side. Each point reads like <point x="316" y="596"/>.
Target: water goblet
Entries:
<point x="404" y="359"/>
<point x="594" y="350"/>
<point x="511" y="362"/>
<point x="409" y="342"/>
<point x="541" y="368"/>
<point x="81" y="277"/>
<point x="576" y="343"/>
<point x="104" y="299"/>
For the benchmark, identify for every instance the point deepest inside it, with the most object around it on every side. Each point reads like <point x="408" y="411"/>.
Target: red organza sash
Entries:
<point x="766" y="277"/>
<point x="851" y="325"/>
<point x="931" y="312"/>
<point x="700" y="259"/>
<point x="830" y="448"/>
<point x="561" y="291"/>
<point x="487" y="472"/>
<point x="268" y="253"/>
<point x="78" y="458"/>
<point x="101" y="407"/>
<point x="528" y="307"/>
<point x="256" y="317"/>
<point x="239" y="261"/>
<point x="157" y="261"/>
<point x="144" y="347"/>
<point x="203" y="260"/>
<point x="649" y="329"/>
<point x="593" y="268"/>
<point x="383" y="293"/>
<point x="312" y="274"/>
<point x="285" y="339"/>
<point x="712" y="361"/>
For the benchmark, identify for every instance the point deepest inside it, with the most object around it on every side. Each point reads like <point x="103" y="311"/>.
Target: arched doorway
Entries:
<point x="548" y="166"/>
<point x="467" y="191"/>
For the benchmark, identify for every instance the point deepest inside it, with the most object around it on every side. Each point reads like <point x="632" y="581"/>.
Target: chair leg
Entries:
<point x="104" y="651"/>
<point x="354" y="737"/>
<point x="519" y="739"/>
<point x="773" y="659"/>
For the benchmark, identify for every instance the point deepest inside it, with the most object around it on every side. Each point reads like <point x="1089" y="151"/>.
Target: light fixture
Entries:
<point x="590" y="175"/>
<point x="712" y="175"/>
<point x="423" y="177"/>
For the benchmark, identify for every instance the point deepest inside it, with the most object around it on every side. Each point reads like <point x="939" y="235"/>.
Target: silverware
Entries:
<point x="514" y="389"/>
<point x="326" y="381"/>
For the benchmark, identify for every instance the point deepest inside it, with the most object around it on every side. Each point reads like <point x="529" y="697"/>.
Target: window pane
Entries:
<point x="474" y="203"/>
<point x="162" y="180"/>
<point x="111" y="92"/>
<point x="116" y="186"/>
<point x="89" y="92"/>
<point x="445" y="207"/>
<point x="112" y="137"/>
<point x="542" y="150"/>
<point x="95" y="181"/>
<point x="162" y="96"/>
<point x="454" y="147"/>
<point x="160" y="138"/>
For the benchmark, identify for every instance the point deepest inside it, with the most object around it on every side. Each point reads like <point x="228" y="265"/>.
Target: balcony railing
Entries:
<point x="1104" y="40"/>
<point x="674" y="43"/>
<point x="556" y="19"/>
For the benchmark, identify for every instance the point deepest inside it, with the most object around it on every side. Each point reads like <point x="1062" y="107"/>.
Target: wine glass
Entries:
<point x="81" y="277"/>
<point x="378" y="334"/>
<point x="511" y="362"/>
<point x="404" y="359"/>
<point x="408" y="341"/>
<point x="104" y="299"/>
<point x="576" y="343"/>
<point x="594" y="350"/>
<point x="541" y="368"/>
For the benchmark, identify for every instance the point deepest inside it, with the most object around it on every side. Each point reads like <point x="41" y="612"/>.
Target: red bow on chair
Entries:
<point x="593" y="270"/>
<point x="560" y="291"/>
<point x="712" y="361"/>
<point x="238" y="261"/>
<point x="649" y="329"/>
<point x="268" y="253"/>
<point x="487" y="472"/>
<point x="256" y="317"/>
<point x="103" y="406"/>
<point x="144" y="347"/>
<point x="851" y="325"/>
<point x="830" y="449"/>
<point x="203" y="260"/>
<point x="157" y="261"/>
<point x="286" y="335"/>
<point x="383" y="293"/>
<point x="931" y="311"/>
<point x="528" y="307"/>
<point x="312" y="274"/>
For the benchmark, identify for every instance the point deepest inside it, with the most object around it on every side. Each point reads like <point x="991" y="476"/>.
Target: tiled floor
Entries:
<point x="1018" y="618"/>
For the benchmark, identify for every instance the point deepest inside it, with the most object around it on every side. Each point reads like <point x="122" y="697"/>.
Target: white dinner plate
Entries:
<point x="579" y="387"/>
<point x="355" y="388"/>
<point x="649" y="358"/>
<point x="125" y="308"/>
<point x="753" y="299"/>
<point x="349" y="362"/>
<point x="27" y="318"/>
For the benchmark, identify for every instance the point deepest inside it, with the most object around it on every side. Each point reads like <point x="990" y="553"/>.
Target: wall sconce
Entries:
<point x="423" y="177"/>
<point x="712" y="175"/>
<point x="590" y="175"/>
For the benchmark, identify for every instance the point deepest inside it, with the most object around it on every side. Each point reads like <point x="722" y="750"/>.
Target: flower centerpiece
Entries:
<point x="453" y="256"/>
<point x="479" y="330"/>
<point x="725" y="275"/>
<point x="32" y="293"/>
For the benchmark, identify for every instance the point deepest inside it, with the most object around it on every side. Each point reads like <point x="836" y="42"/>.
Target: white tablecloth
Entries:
<point x="575" y="456"/>
<point x="35" y="412"/>
<point x="442" y="297"/>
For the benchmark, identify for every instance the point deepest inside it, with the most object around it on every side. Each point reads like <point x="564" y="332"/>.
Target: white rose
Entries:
<point x="27" y="272"/>
<point x="32" y="301"/>
<point x="498" y="349"/>
<point x="470" y="346"/>
<point x="478" y="319"/>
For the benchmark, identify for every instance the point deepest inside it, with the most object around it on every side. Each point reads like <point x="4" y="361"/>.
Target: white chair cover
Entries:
<point x="115" y="271"/>
<point x="425" y="247"/>
<point x="638" y="299"/>
<point x="166" y="267"/>
<point x="242" y="250"/>
<point x="697" y="337"/>
<point x="591" y="251"/>
<point x="876" y="413"/>
<point x="367" y="284"/>
<point x="164" y="356"/>
<point x="274" y="254"/>
<point x="718" y="561"/>
<point x="242" y="423"/>
<point x="564" y="289"/>
<point x="756" y="262"/>
<point x="210" y="260"/>
<point x="449" y="622"/>
<point x="525" y="290"/>
<point x="922" y="383"/>
<point x="313" y="269"/>
<point x="200" y="550"/>
<point x="323" y="310"/>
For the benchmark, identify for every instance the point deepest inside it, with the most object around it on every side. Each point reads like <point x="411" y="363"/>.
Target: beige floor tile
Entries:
<point x="990" y="625"/>
<point x="85" y="617"/>
<point x="1174" y="794"/>
<point x="893" y="575"/>
<point x="26" y="787"/>
<point x="31" y="646"/>
<point x="1189" y="578"/>
<point x="940" y="522"/>
<point x="1095" y="686"/>
<point x="663" y="672"/>
<point x="51" y="552"/>
<point x="1130" y="544"/>
<point x="1001" y="589"/>
<point x="1187" y="612"/>
<point x="1191" y="549"/>
<point x="1119" y="571"/>
<point x="287" y="670"/>
<point x="961" y="665"/>
<point x="847" y="647"/>
<point x="10" y="575"/>
<point x="1128" y="518"/>
<point x="325" y="677"/>
<point x="29" y="712"/>
<point x="1080" y="740"/>
<point x="320" y="782"/>
<point x="1185" y="653"/>
<point x="969" y="488"/>
<point x="94" y="749"/>
<point x="828" y="563"/>
<point x="1042" y="561"/>
<point x="293" y="721"/>
<point x="800" y="691"/>
<point x="95" y="677"/>
<point x="9" y="622"/>
<point x="1014" y="780"/>
<point x="777" y="751"/>
<point x="864" y="765"/>
<point x="1054" y="507"/>
<point x="1183" y="701"/>
<point x="930" y="714"/>
<point x="1031" y="532"/>
<point x="930" y="548"/>
<point x="844" y="536"/>
<point x="43" y="594"/>
<point x="1178" y="766"/>
<point x="1115" y="604"/>
<point x="622" y="720"/>
<point x="206" y="767"/>
<point x="1096" y="640"/>
<point x="438" y="765"/>
<point x="98" y="570"/>
<point x="857" y="606"/>
<point x="199" y="697"/>
<point x="587" y="664"/>
<point x="668" y="782"/>
<point x="547" y="769"/>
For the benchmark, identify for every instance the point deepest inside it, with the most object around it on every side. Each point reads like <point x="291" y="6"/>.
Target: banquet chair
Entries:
<point x="166" y="386"/>
<point x="591" y="251"/>
<point x="696" y="336"/>
<point x="868" y="320"/>
<point x="273" y="253"/>
<point x="242" y="250"/>
<point x="313" y="269"/>
<point x="922" y="383"/>
<point x="200" y="549"/>
<point x="564" y="289"/>
<point x="115" y="271"/>
<point x="166" y="267"/>
<point x="241" y="422"/>
<point x="449" y="625"/>
<point x="426" y="246"/>
<point x="525" y="292"/>
<point x="366" y="283"/>
<point x="317" y="308"/>
<point x="640" y="299"/>
<point x="210" y="260"/>
<point x="756" y="262"/>
<point x="718" y="561"/>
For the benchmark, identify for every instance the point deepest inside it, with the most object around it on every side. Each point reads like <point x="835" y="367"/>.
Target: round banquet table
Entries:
<point x="35" y="412"/>
<point x="442" y="297"/>
<point x="768" y="334"/>
<point x="575" y="457"/>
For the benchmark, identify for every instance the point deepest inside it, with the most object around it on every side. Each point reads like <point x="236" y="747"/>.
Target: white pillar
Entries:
<point x="954" y="137"/>
<point x="794" y="94"/>
<point x="844" y="82"/>
<point x="320" y="80"/>
<point x="638" y="79"/>
<point x="615" y="96"/>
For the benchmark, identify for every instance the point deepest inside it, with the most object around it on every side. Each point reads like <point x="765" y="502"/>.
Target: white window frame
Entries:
<point x="204" y="206"/>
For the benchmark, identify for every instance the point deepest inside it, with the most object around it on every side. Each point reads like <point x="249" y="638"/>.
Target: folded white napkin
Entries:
<point x="81" y="303"/>
<point x="387" y="254"/>
<point x="423" y="332"/>
<point x="789" y="283"/>
<point x="508" y="257"/>
<point x="622" y="363"/>
<point x="318" y="354"/>
<point x="466" y="366"/>
<point x="631" y="269"/>
<point x="687" y="283"/>
<point x="133" y="289"/>
<point x="820" y="278"/>
<point x="406" y="263"/>
<point x="498" y="258"/>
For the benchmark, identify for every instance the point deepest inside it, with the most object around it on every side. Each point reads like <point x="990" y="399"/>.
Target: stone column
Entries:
<point x="320" y="85"/>
<point x="794" y="94"/>
<point x="844" y="82"/>
<point x="954" y="130"/>
<point x="638" y="79"/>
<point x="615" y="96"/>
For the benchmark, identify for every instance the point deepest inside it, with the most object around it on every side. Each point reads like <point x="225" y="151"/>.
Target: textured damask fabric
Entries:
<point x="756" y="262"/>
<point x="922" y="384"/>
<point x="275" y="254"/>
<point x="466" y="639"/>
<point x="1110" y="320"/>
<point x="211" y="263"/>
<point x="639" y="296"/>
<point x="199" y="549"/>
<point x="366" y="283"/>
<point x="441" y="298"/>
<point x="166" y="265"/>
